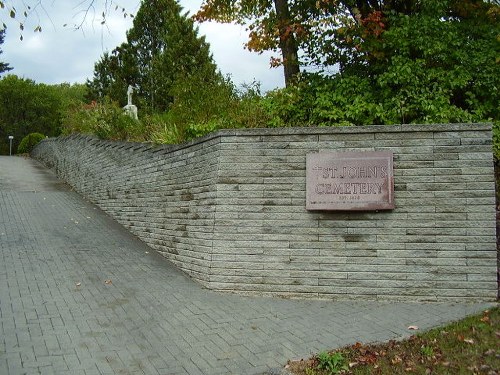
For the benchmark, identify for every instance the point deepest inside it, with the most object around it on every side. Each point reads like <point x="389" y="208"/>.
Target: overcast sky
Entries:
<point x="61" y="54"/>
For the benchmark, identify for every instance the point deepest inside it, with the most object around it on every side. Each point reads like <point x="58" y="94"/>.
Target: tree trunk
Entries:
<point x="288" y="44"/>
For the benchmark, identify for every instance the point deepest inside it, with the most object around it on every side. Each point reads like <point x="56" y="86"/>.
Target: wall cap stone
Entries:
<point x="327" y="130"/>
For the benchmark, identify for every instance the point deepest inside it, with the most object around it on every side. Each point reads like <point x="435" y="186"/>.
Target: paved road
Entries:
<point x="79" y="295"/>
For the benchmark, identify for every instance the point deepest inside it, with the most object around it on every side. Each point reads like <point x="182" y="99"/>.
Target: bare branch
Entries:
<point x="86" y="11"/>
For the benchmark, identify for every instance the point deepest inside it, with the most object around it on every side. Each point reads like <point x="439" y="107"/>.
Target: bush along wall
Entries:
<point x="230" y="210"/>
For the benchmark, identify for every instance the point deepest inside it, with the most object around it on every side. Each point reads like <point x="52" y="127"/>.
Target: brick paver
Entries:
<point x="80" y="295"/>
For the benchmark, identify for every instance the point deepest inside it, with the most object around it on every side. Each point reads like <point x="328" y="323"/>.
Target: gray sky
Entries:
<point x="61" y="54"/>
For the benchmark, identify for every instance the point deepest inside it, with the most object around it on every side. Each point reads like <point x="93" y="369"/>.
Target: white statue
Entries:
<point x="130" y="109"/>
<point x="130" y="91"/>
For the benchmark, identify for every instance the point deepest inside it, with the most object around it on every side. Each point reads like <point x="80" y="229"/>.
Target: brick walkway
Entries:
<point x="79" y="295"/>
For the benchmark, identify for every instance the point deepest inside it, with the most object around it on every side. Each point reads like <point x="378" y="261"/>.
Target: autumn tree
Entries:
<point x="436" y="63"/>
<point x="273" y="25"/>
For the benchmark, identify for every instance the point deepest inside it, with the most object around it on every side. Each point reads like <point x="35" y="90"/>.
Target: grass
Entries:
<point x="469" y="346"/>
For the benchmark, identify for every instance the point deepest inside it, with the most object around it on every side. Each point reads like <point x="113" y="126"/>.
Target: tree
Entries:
<point x="428" y="60"/>
<point x="439" y="63"/>
<point x="27" y="107"/>
<point x="162" y="46"/>
<point x="355" y="31"/>
<point x="3" y="66"/>
<point x="327" y="32"/>
<point x="273" y="25"/>
<point x="113" y="73"/>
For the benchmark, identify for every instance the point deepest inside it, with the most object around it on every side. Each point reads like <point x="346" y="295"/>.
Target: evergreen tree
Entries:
<point x="112" y="75"/>
<point x="4" y="67"/>
<point x="162" y="47"/>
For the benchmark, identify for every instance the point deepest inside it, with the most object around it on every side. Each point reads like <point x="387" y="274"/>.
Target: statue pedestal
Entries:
<point x="131" y="110"/>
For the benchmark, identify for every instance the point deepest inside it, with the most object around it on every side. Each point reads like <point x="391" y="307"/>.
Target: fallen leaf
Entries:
<point x="292" y="361"/>
<point x="485" y="319"/>
<point x="413" y="328"/>
<point x="489" y="352"/>
<point x="353" y="364"/>
<point x="368" y="358"/>
<point x="108" y="282"/>
<point x="469" y="341"/>
<point x="397" y="359"/>
<point x="78" y="284"/>
<point x="446" y="364"/>
<point x="460" y="337"/>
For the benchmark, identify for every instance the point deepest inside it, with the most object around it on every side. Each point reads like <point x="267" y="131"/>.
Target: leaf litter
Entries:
<point x="469" y="346"/>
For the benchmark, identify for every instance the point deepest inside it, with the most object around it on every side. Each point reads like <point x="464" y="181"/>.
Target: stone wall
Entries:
<point x="229" y="210"/>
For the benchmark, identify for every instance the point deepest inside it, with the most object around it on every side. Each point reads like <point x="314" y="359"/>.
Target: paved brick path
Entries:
<point x="79" y="295"/>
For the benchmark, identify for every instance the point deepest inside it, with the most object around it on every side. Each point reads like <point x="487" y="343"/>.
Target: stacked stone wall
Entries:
<point x="229" y="209"/>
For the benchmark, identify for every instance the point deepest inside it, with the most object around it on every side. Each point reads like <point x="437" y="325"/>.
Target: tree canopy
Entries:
<point x="376" y="62"/>
<point x="341" y="33"/>
<point x="29" y="107"/>
<point x="438" y="63"/>
<point x="273" y="25"/>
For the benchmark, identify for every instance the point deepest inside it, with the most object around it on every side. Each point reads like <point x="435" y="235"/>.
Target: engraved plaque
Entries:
<point x="361" y="181"/>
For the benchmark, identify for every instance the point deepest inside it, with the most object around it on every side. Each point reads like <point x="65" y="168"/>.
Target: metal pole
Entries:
<point x="10" y="146"/>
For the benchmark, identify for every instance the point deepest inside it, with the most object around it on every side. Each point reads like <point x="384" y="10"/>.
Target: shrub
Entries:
<point x="29" y="142"/>
<point x="196" y="130"/>
<point x="161" y="129"/>
<point x="496" y="140"/>
<point x="105" y="120"/>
